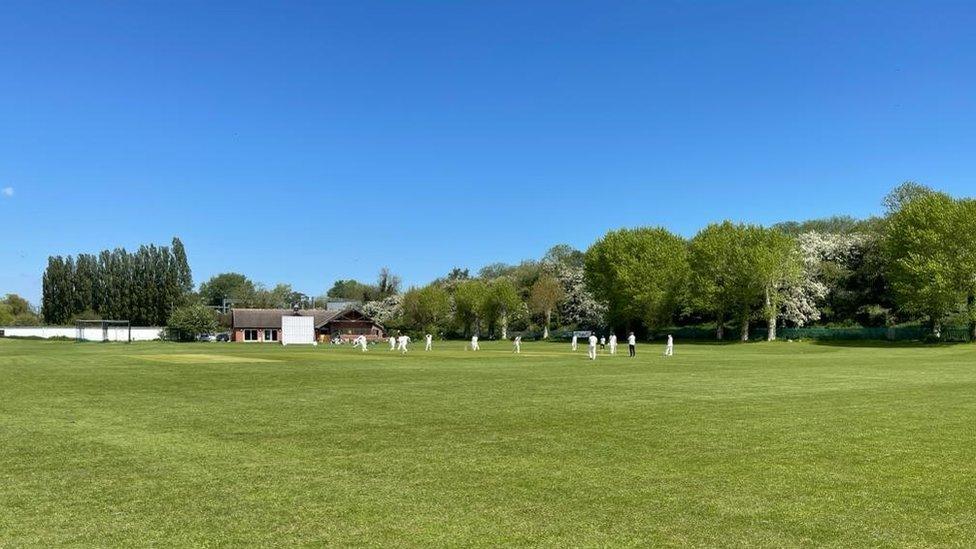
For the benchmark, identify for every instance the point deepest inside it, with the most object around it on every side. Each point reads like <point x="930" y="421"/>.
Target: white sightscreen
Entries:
<point x="297" y="330"/>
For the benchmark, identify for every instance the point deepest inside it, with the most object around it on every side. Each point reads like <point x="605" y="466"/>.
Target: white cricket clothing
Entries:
<point x="591" y="352"/>
<point x="474" y="343"/>
<point x="518" y="344"/>
<point x="429" y="342"/>
<point x="574" y="342"/>
<point x="631" y="339"/>
<point x="393" y="343"/>
<point x="669" y="348"/>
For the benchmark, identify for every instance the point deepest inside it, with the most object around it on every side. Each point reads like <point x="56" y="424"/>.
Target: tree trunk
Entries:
<point x="771" y="318"/>
<point x="720" y="329"/>
<point x="744" y="330"/>
<point x="504" y="325"/>
<point x="545" y="328"/>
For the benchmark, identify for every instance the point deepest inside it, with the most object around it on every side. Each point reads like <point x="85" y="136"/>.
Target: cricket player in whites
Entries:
<point x="474" y="343"/>
<point x="428" y="342"/>
<point x="360" y="341"/>
<point x="613" y="344"/>
<point x="517" y="342"/>
<point x="591" y="352"/>
<point x="393" y="343"/>
<point x="574" y="342"/>
<point x="669" y="347"/>
<point x="402" y="343"/>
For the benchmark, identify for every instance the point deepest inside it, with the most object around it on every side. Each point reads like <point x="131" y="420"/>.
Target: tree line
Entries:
<point x="913" y="263"/>
<point x="143" y="287"/>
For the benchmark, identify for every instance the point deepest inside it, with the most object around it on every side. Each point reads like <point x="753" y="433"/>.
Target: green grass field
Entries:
<point x="782" y="444"/>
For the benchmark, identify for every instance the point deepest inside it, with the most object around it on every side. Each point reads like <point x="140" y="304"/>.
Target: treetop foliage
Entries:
<point x="915" y="262"/>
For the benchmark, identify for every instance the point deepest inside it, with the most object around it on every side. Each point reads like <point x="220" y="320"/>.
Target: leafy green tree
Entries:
<point x="282" y="296"/>
<point x="738" y="268"/>
<point x="352" y="290"/>
<point x="56" y="302"/>
<point x="838" y="224"/>
<point x="18" y="306"/>
<point x="469" y="299"/>
<point x="924" y="260"/>
<point x="965" y="257"/>
<point x="565" y="255"/>
<point x="544" y="298"/>
<point x="776" y="265"/>
<point x="641" y="274"/>
<point x="426" y="308"/>
<point x="903" y="194"/>
<point x="86" y="273"/>
<point x="231" y="286"/>
<point x="720" y="275"/>
<point x="184" y="277"/>
<point x="495" y="270"/>
<point x="501" y="301"/>
<point x="17" y="311"/>
<point x="188" y="321"/>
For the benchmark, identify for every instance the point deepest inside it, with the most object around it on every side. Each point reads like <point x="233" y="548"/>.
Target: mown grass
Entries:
<point x="783" y="444"/>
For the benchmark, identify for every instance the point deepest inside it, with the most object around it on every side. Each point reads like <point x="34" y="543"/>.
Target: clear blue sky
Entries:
<point x="304" y="142"/>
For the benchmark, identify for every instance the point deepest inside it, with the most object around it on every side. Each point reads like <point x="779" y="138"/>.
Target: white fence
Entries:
<point x="90" y="333"/>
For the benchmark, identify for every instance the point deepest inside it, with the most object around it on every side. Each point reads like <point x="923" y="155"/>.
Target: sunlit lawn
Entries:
<point x="777" y="444"/>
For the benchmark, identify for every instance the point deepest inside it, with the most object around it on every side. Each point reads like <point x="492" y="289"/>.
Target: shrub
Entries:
<point x="187" y="322"/>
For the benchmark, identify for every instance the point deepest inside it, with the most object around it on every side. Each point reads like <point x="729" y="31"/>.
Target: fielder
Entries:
<point x="360" y="342"/>
<point x="591" y="352"/>
<point x="613" y="344"/>
<point x="632" y="343"/>
<point x="603" y="343"/>
<point x="402" y="343"/>
<point x="474" y="343"/>
<point x="574" y="342"/>
<point x="669" y="348"/>
<point x="518" y="345"/>
<point x="428" y="342"/>
<point x="393" y="343"/>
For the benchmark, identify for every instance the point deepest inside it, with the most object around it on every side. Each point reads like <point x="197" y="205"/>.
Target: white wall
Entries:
<point x="92" y="333"/>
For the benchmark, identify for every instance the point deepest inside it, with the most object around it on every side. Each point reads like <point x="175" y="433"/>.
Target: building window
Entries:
<point x="250" y="335"/>
<point x="271" y="335"/>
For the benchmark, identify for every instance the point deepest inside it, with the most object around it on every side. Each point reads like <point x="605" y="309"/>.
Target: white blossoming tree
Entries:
<point x="384" y="310"/>
<point x="818" y="252"/>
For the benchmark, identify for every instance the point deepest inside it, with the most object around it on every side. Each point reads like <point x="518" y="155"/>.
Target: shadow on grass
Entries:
<point x="862" y="343"/>
<point x="882" y="344"/>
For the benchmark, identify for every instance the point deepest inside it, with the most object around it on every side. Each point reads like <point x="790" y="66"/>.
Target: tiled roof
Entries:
<point x="271" y="318"/>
